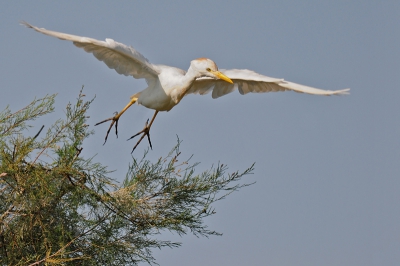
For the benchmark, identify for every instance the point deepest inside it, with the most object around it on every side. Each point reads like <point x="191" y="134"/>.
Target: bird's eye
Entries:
<point x="208" y="69"/>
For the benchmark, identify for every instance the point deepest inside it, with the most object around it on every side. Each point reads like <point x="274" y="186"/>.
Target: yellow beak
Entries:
<point x="222" y="76"/>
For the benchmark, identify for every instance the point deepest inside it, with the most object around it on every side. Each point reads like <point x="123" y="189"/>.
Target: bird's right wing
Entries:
<point x="246" y="81"/>
<point x="124" y="59"/>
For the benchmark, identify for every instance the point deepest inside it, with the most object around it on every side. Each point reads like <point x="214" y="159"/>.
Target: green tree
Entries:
<point x="58" y="208"/>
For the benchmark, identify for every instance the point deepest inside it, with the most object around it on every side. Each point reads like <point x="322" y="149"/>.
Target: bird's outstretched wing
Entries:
<point x="124" y="59"/>
<point x="249" y="81"/>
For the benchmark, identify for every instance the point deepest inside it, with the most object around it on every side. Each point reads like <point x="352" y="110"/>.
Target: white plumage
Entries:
<point x="168" y="85"/>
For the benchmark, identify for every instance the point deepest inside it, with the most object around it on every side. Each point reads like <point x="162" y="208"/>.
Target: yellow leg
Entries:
<point x="145" y="132"/>
<point x="116" y="117"/>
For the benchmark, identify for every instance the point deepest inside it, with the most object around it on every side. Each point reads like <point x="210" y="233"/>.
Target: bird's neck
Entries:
<point x="190" y="76"/>
<point x="185" y="84"/>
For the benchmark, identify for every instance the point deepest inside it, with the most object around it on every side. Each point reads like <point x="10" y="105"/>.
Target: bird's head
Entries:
<point x="207" y="68"/>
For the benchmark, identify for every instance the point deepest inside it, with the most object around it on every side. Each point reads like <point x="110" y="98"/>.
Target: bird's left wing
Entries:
<point x="124" y="59"/>
<point x="249" y="81"/>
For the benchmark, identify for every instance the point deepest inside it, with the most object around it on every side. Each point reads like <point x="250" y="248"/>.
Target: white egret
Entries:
<point x="168" y="85"/>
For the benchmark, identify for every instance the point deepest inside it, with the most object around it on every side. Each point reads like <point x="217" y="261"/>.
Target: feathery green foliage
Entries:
<point x="58" y="208"/>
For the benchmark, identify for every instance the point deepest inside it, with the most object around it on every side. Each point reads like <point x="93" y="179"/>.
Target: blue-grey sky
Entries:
<point x="327" y="168"/>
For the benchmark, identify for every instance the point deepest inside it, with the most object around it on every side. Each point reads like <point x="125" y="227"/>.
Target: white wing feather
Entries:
<point x="124" y="59"/>
<point x="249" y="81"/>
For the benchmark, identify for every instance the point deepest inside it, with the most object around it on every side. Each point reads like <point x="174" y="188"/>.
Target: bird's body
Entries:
<point x="164" y="93"/>
<point x="168" y="85"/>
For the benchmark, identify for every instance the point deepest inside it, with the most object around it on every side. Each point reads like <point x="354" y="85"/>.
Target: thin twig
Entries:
<point x="38" y="132"/>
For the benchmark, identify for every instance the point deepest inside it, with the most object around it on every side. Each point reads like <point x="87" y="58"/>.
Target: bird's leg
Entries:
<point x="145" y="132"/>
<point x="115" y="118"/>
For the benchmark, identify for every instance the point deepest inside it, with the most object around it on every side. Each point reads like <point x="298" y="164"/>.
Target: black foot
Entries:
<point x="145" y="132"/>
<point x="114" y="121"/>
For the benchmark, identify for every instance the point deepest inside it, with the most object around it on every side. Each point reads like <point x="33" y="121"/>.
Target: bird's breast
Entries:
<point x="167" y="91"/>
<point x="156" y="99"/>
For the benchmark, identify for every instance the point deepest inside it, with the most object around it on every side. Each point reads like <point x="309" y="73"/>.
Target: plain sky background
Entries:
<point x="327" y="168"/>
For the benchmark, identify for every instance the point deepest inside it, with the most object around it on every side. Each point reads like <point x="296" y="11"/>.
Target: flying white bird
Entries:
<point x="168" y="85"/>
